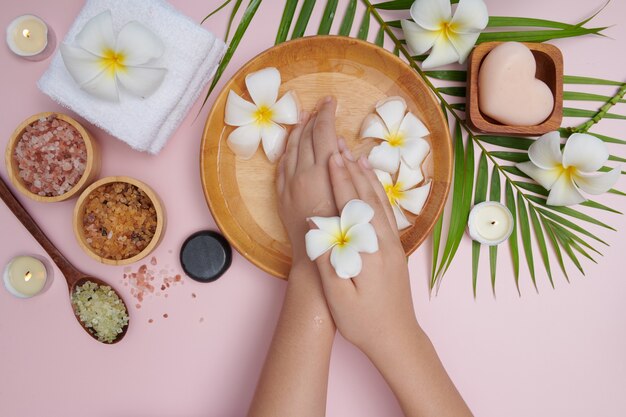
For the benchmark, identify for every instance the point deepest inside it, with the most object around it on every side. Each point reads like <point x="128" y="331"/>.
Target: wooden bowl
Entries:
<point x="79" y="213"/>
<point x="549" y="70"/>
<point x="241" y="194"/>
<point x="92" y="167"/>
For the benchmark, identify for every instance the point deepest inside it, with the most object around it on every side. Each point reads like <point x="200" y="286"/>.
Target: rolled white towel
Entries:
<point x="191" y="57"/>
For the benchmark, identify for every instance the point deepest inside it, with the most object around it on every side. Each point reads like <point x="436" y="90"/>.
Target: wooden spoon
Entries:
<point x="73" y="276"/>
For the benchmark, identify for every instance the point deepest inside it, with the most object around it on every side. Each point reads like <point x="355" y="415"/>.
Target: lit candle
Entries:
<point x="490" y="223"/>
<point x="29" y="37"/>
<point x="25" y="276"/>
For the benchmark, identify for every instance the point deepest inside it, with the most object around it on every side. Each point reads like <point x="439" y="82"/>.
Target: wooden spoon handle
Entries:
<point x="71" y="274"/>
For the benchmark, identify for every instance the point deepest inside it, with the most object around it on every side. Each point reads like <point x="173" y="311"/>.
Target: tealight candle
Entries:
<point x="30" y="38"/>
<point x="25" y="276"/>
<point x="490" y="223"/>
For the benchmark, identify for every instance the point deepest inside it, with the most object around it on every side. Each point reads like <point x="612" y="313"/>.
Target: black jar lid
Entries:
<point x="205" y="256"/>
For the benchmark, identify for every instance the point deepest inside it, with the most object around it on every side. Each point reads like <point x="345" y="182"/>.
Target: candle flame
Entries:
<point x="28" y="276"/>
<point x="26" y="33"/>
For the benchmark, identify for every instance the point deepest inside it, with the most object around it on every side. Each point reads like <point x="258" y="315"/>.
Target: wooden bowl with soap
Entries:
<point x="549" y="70"/>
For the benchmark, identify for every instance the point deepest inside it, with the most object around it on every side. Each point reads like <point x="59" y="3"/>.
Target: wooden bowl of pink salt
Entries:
<point x="51" y="157"/>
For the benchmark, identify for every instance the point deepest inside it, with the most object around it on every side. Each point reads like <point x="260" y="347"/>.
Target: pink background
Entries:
<point x="556" y="353"/>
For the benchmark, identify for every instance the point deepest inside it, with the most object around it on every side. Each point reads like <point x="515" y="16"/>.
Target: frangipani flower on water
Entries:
<point x="402" y="134"/>
<point x="101" y="62"/>
<point x="450" y="37"/>
<point x="403" y="193"/>
<point x="345" y="237"/>
<point x="259" y="121"/>
<point x="566" y="173"/>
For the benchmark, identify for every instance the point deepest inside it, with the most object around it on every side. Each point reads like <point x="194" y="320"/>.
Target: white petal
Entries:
<point x="385" y="157"/>
<point x="414" y="200"/>
<point x="103" y="86"/>
<point x="401" y="219"/>
<point x="318" y="242"/>
<point x="97" y="35"/>
<point x="585" y="152"/>
<point x="470" y="16"/>
<point x="414" y="151"/>
<point x="286" y="109"/>
<point x="330" y="225"/>
<point x="263" y="86"/>
<point x="373" y="127"/>
<point x="138" y="44"/>
<point x="392" y="110"/>
<point x="355" y="212"/>
<point x="346" y="261"/>
<point x="274" y="139"/>
<point x="244" y="140"/>
<point x="545" y="152"/>
<point x="412" y="127"/>
<point x="597" y="183"/>
<point x="419" y="40"/>
<point x="443" y="53"/>
<point x="430" y="13"/>
<point x="83" y="66"/>
<point x="362" y="238"/>
<point x="384" y="177"/>
<point x="141" y="81"/>
<point x="564" y="192"/>
<point x="408" y="177"/>
<point x="545" y="177"/>
<point x="238" y="112"/>
<point x="463" y="44"/>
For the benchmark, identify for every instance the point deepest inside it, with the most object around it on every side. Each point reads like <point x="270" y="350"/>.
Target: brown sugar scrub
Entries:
<point x="119" y="220"/>
<point x="50" y="156"/>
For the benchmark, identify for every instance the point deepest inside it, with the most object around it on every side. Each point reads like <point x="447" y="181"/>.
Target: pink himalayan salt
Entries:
<point x="51" y="156"/>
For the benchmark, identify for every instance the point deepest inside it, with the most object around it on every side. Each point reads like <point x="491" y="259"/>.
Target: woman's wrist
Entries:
<point x="396" y="340"/>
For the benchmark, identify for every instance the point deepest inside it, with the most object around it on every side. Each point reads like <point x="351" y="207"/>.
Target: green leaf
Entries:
<point x="511" y="156"/>
<point x="563" y="221"/>
<point x="534" y="188"/>
<point x="513" y="245"/>
<point x="365" y="25"/>
<point x="220" y="7"/>
<point x="569" y="112"/>
<point x="327" y="17"/>
<point x="448" y="75"/>
<point x="608" y="139"/>
<point x="380" y="37"/>
<point x="495" y="194"/>
<point x="395" y="5"/>
<point x="571" y="212"/>
<point x="536" y="35"/>
<point x="507" y="141"/>
<point x="480" y="194"/>
<point x="564" y="241"/>
<point x="541" y="241"/>
<point x="571" y="95"/>
<point x="475" y="257"/>
<point x="233" y="13"/>
<point x="514" y="170"/>
<point x="596" y="205"/>
<point x="246" y="18"/>
<point x="525" y="233"/>
<point x="453" y="91"/>
<point x="618" y="192"/>
<point x="348" y="19"/>
<point x="303" y="19"/>
<point x="574" y="237"/>
<point x="458" y="106"/>
<point x="555" y="248"/>
<point x="493" y="259"/>
<point x="285" y="21"/>
<point x="505" y="21"/>
<point x="436" y="241"/>
<point x="573" y="79"/>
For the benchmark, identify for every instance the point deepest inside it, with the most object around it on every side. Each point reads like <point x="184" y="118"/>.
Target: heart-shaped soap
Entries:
<point x="508" y="90"/>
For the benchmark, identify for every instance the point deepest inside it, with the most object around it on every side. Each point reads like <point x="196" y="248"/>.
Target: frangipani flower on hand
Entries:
<point x="259" y="121"/>
<point x="403" y="194"/>
<point x="345" y="237"/>
<point x="451" y="38"/>
<point x="100" y="62"/>
<point x="401" y="132"/>
<point x="566" y="173"/>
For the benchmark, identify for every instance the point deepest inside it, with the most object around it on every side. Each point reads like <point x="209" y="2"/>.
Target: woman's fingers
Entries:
<point x="324" y="132"/>
<point x="380" y="192"/>
<point x="280" y="175"/>
<point x="306" y="157"/>
<point x="341" y="182"/>
<point x="291" y="153"/>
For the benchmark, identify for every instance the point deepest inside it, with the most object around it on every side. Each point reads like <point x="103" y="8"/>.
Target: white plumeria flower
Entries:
<point x="259" y="121"/>
<point x="565" y="173"/>
<point x="401" y="132"/>
<point x="101" y="62"/>
<point x="403" y="194"/>
<point x="345" y="236"/>
<point x="451" y="38"/>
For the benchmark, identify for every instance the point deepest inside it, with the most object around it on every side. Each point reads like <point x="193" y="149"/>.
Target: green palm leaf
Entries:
<point x="348" y="19"/>
<point x="524" y="228"/>
<point x="541" y="241"/>
<point x="327" y="17"/>
<point x="495" y="194"/>
<point x="480" y="194"/>
<point x="303" y="19"/>
<point x="513" y="245"/>
<point x="285" y="21"/>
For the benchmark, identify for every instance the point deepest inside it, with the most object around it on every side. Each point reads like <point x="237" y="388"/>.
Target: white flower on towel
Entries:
<point x="345" y="237"/>
<point x="258" y="122"/>
<point x="100" y="62"/>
